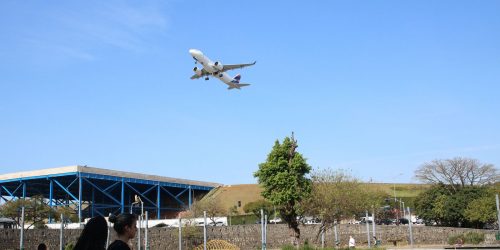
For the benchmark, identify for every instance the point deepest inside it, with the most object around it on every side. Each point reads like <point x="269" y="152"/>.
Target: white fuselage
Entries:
<point x="209" y="66"/>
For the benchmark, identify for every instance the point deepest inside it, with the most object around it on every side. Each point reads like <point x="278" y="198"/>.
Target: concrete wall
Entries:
<point x="248" y="236"/>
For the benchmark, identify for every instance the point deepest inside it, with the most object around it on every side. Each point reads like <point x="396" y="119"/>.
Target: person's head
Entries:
<point x="42" y="246"/>
<point x="124" y="224"/>
<point x="94" y="235"/>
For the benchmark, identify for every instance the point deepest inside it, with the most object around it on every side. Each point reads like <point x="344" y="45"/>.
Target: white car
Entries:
<point x="275" y="220"/>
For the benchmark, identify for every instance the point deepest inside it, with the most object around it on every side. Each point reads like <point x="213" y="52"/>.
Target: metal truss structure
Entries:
<point x="93" y="191"/>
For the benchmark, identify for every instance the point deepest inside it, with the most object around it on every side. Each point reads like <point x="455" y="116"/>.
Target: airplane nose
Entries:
<point x="195" y="52"/>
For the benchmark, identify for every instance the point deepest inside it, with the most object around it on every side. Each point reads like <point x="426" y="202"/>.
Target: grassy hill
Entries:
<point x="235" y="195"/>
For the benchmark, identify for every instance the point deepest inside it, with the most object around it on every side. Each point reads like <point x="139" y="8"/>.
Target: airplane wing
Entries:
<point x="236" y="66"/>
<point x="203" y="74"/>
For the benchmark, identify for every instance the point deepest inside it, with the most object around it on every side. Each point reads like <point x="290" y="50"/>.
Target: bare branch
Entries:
<point x="457" y="172"/>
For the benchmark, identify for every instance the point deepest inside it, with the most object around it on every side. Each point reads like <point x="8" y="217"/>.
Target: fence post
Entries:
<point x="337" y="242"/>
<point x="409" y="227"/>
<point x="204" y="230"/>
<point x="146" y="241"/>
<point x="109" y="225"/>
<point x="61" y="239"/>
<point x="180" y="233"/>
<point x="21" y="240"/>
<point x="262" y="228"/>
<point x="265" y="231"/>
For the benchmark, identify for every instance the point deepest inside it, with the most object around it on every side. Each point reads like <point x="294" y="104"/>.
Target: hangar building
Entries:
<point x="95" y="191"/>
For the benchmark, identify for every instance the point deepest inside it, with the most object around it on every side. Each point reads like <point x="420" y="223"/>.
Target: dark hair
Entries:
<point x="122" y="220"/>
<point x="42" y="246"/>
<point x="94" y="235"/>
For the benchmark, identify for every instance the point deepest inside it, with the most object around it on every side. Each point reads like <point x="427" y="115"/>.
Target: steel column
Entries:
<point x="158" y="204"/>
<point x="93" y="202"/>
<point x="51" y="197"/>
<point x="123" y="197"/>
<point x="79" y="198"/>
<point x="190" y="198"/>
<point x="24" y="190"/>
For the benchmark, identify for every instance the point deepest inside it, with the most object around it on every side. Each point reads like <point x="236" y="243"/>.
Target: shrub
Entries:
<point x="474" y="237"/>
<point x="468" y="238"/>
<point x="69" y="246"/>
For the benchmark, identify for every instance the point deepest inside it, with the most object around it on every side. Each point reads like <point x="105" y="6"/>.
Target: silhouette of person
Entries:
<point x="94" y="235"/>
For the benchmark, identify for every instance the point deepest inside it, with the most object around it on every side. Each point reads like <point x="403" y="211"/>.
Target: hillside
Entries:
<point x="233" y="195"/>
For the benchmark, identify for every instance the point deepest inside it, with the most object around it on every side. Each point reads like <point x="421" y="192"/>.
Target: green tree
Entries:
<point x="483" y="209"/>
<point x="283" y="178"/>
<point x="256" y="206"/>
<point x="35" y="210"/>
<point x="448" y="209"/>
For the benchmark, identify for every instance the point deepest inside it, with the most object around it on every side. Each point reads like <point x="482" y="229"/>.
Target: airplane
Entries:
<point x="217" y="70"/>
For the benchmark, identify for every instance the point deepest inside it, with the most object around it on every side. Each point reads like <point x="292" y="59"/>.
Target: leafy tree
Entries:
<point x="483" y="209"/>
<point x="283" y="178"/>
<point x="336" y="196"/>
<point x="447" y="209"/>
<point x="457" y="173"/>
<point x="256" y="206"/>
<point x="35" y="210"/>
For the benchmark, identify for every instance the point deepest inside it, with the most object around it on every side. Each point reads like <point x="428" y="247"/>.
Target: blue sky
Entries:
<point x="373" y="87"/>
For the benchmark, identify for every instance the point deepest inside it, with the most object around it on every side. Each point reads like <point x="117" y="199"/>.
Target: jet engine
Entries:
<point x="218" y="65"/>
<point x="197" y="71"/>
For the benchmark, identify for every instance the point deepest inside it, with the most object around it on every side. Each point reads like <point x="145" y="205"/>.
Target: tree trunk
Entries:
<point x="294" y="234"/>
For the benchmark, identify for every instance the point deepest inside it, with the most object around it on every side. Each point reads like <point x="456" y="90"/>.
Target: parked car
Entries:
<point x="363" y="221"/>
<point x="313" y="221"/>
<point x="491" y="226"/>
<point x="419" y="221"/>
<point x="276" y="220"/>
<point x="385" y="222"/>
<point x="403" y="221"/>
<point x="216" y="224"/>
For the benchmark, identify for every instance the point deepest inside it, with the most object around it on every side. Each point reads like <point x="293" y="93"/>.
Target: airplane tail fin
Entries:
<point x="237" y="78"/>
<point x="237" y="86"/>
<point x="235" y="83"/>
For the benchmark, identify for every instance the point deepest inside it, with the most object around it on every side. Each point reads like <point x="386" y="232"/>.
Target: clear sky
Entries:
<point x="373" y="87"/>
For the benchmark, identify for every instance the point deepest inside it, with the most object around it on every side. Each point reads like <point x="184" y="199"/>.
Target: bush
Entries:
<point x="244" y="219"/>
<point x="473" y="237"/>
<point x="468" y="238"/>
<point x="69" y="246"/>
